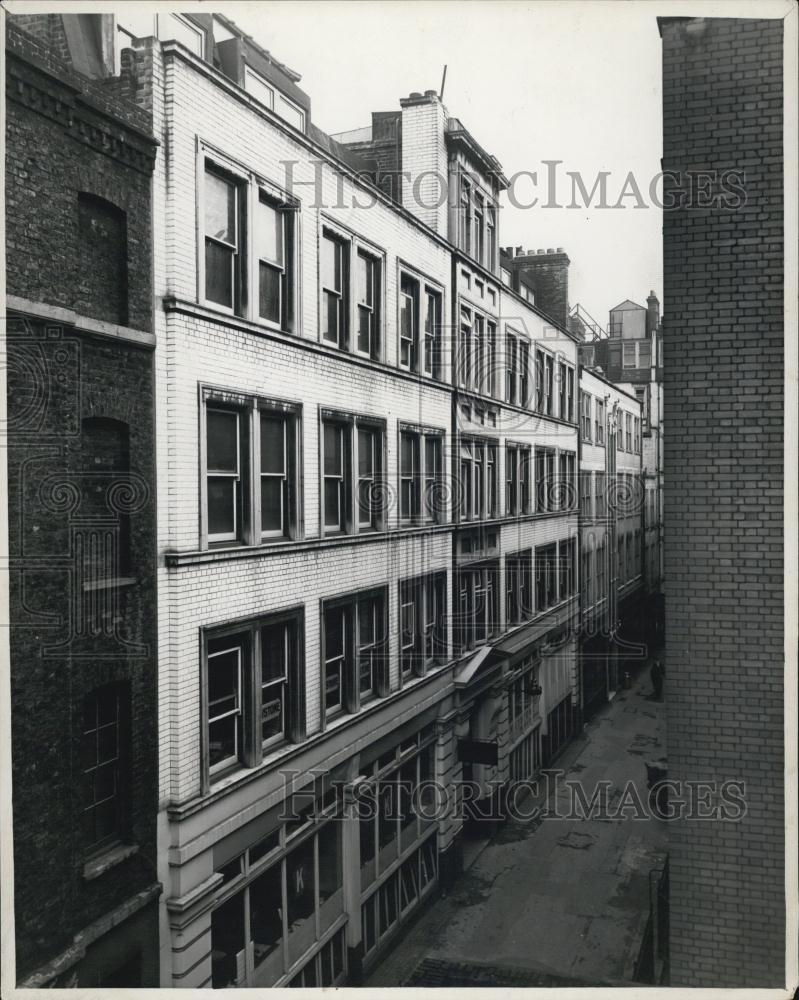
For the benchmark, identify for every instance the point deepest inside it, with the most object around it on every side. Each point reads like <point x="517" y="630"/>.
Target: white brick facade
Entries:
<point x="198" y="112"/>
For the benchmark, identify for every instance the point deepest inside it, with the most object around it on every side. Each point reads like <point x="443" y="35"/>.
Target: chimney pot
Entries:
<point x="415" y="95"/>
<point x="529" y="252"/>
<point x="518" y="251"/>
<point x="550" y="250"/>
<point x="431" y="93"/>
<point x="539" y="251"/>
<point x="561" y="250"/>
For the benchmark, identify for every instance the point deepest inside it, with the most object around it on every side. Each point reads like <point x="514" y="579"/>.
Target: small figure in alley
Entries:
<point x="657" y="672"/>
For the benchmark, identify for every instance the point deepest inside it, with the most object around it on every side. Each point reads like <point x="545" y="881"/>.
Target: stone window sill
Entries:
<point x="111" y="583"/>
<point x="116" y="854"/>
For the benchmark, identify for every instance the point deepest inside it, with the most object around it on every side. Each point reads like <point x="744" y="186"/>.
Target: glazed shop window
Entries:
<point x="278" y="899"/>
<point x="253" y="691"/>
<point x="399" y="894"/>
<point x="386" y="796"/>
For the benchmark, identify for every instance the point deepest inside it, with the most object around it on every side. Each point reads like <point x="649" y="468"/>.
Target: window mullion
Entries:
<point x="353" y="507"/>
<point x="352" y="679"/>
<point x="249" y="304"/>
<point x="253" y="721"/>
<point x="255" y="473"/>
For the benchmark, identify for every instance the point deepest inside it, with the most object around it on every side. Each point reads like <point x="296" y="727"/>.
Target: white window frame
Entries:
<point x="249" y="188"/>
<point x="235" y="476"/>
<point x="422" y="291"/>
<point x="349" y="425"/>
<point x="249" y="408"/>
<point x="163" y="34"/>
<point x="352" y="244"/>
<point x="599" y="422"/>
<point x="223" y="765"/>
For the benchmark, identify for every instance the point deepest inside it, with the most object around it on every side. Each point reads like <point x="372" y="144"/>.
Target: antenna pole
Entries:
<point x="443" y="81"/>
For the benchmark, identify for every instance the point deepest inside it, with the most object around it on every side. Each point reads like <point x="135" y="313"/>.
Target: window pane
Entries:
<point x="334" y="633"/>
<point x="227" y="941"/>
<point x="269" y="233"/>
<point x="292" y="114"/>
<point x="107" y="743"/>
<point x="222" y="739"/>
<point x="266" y="914"/>
<point x="333" y="444"/>
<point x="367" y="621"/>
<point x="107" y="706"/>
<point x="171" y="27"/>
<point x="220" y="208"/>
<point x="407" y="442"/>
<point x="330" y="317"/>
<point x="223" y="682"/>
<point x="365" y="317"/>
<point x="333" y="513"/>
<point x="269" y="281"/>
<point x="273" y="455"/>
<point x="366" y="458"/>
<point x="259" y="89"/>
<point x="218" y="274"/>
<point x="388" y="905"/>
<point x="272" y="503"/>
<point x="273" y="652"/>
<point x="221" y="506"/>
<point x="331" y="264"/>
<point x="330" y="871"/>
<point x="300" y="882"/>
<point x="365" y="284"/>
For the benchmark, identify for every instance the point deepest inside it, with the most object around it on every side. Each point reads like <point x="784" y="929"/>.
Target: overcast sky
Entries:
<point x="532" y="82"/>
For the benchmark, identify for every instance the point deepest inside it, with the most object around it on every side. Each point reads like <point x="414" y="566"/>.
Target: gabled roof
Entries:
<point x="627" y="305"/>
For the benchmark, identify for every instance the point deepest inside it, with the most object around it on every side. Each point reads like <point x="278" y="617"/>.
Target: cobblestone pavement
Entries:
<point x="554" y="901"/>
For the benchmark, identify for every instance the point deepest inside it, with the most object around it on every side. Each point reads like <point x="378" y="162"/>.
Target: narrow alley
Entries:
<point x="553" y="901"/>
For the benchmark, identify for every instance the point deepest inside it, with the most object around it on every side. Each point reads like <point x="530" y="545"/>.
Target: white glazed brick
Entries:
<point x="193" y="350"/>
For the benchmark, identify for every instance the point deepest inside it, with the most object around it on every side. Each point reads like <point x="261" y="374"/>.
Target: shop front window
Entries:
<point x="278" y="899"/>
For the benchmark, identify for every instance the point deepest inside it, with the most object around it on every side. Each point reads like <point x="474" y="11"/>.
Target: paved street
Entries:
<point x="553" y="901"/>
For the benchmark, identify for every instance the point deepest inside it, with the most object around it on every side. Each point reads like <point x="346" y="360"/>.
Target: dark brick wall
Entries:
<point x="66" y="485"/>
<point x="723" y="364"/>
<point x="547" y="274"/>
<point x="56" y="495"/>
<point x="50" y="162"/>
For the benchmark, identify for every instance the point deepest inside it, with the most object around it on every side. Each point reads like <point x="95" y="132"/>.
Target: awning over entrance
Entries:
<point x="468" y="672"/>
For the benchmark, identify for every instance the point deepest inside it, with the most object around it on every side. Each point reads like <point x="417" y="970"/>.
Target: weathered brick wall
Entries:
<point x="723" y="364"/>
<point x="56" y="150"/>
<point x="547" y="274"/>
<point x="61" y="142"/>
<point x="49" y="491"/>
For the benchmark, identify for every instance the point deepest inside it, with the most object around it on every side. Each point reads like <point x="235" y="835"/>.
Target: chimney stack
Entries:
<point x="547" y="273"/>
<point x="652" y="313"/>
<point x="424" y="158"/>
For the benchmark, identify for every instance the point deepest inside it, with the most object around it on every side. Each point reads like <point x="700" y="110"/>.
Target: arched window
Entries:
<point x="102" y="266"/>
